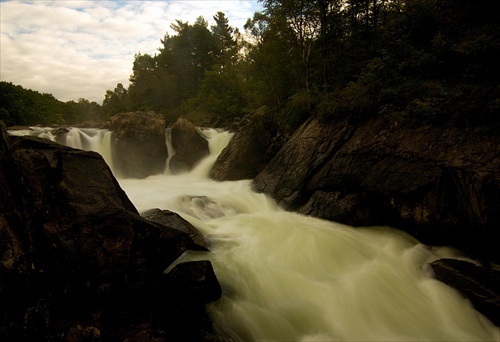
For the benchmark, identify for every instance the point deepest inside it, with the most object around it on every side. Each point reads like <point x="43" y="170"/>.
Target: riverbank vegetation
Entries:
<point x="414" y="61"/>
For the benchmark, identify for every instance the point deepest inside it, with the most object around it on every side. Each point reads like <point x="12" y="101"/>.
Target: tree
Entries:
<point x="184" y="58"/>
<point x="19" y="106"/>
<point x="115" y="101"/>
<point x="146" y="84"/>
<point x="226" y="46"/>
<point x="81" y="111"/>
<point x="272" y="71"/>
<point x="298" y="22"/>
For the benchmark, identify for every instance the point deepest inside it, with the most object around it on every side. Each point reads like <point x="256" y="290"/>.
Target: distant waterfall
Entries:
<point x="170" y="149"/>
<point x="217" y="140"/>
<point x="100" y="141"/>
<point x="88" y="139"/>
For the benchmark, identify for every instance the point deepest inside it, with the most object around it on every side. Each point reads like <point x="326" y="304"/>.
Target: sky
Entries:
<point x="79" y="49"/>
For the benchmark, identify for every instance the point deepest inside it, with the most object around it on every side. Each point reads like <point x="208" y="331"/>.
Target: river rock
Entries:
<point x="139" y="148"/>
<point x="187" y="285"/>
<point x="12" y="210"/>
<point x="175" y="221"/>
<point x="77" y="262"/>
<point x="189" y="146"/>
<point x="250" y="149"/>
<point x="440" y="184"/>
<point x="194" y="281"/>
<point x="481" y="285"/>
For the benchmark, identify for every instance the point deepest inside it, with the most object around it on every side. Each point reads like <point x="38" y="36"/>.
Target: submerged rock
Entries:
<point x="77" y="261"/>
<point x="139" y="148"/>
<point x="479" y="284"/>
<point x="189" y="146"/>
<point x="440" y="184"/>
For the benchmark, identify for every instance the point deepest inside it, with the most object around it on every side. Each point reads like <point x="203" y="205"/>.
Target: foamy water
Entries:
<point x="289" y="277"/>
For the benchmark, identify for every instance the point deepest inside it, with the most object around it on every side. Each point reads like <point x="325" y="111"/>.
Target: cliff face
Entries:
<point x="440" y="184"/>
<point x="251" y="148"/>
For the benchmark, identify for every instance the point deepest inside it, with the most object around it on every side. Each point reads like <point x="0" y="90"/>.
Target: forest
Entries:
<point x="24" y="107"/>
<point x="414" y="61"/>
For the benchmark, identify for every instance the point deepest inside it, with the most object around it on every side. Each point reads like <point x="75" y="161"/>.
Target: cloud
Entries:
<point x="75" y="49"/>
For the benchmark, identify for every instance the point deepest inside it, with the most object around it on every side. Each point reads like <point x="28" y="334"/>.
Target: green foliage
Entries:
<point x="82" y="111"/>
<point x="19" y="106"/>
<point x="414" y="61"/>
<point x="225" y="40"/>
<point x="115" y="101"/>
<point x="352" y="101"/>
<point x="297" y="109"/>
<point x="271" y="68"/>
<point x="220" y="95"/>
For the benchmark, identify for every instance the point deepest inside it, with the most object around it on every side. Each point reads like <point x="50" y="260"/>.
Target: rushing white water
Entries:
<point x="88" y="139"/>
<point x="289" y="277"/>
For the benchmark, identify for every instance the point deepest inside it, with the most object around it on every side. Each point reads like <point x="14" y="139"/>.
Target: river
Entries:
<point x="290" y="277"/>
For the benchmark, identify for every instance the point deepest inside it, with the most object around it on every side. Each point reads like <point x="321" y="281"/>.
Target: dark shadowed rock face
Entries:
<point x="250" y="149"/>
<point x="194" y="281"/>
<point x="479" y="284"/>
<point x="77" y="262"/>
<point x="139" y="148"/>
<point x="442" y="185"/>
<point x="190" y="147"/>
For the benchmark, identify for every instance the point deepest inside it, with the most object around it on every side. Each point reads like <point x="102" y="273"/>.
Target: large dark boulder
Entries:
<point x="251" y="148"/>
<point x="479" y="284"/>
<point x="189" y="146"/>
<point x="440" y="184"/>
<point x="139" y="148"/>
<point x="77" y="261"/>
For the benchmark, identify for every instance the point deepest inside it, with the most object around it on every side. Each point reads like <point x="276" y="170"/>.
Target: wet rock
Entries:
<point x="139" y="148"/>
<point x="76" y="259"/>
<point x="479" y="284"/>
<point x="175" y="221"/>
<point x="253" y="145"/>
<point x="190" y="147"/>
<point x="190" y="282"/>
<point x="12" y="210"/>
<point x="194" y="281"/>
<point x="440" y="184"/>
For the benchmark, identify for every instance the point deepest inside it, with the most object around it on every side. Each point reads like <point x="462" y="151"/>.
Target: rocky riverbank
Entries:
<point x="77" y="262"/>
<point x="440" y="184"/>
<point x="68" y="226"/>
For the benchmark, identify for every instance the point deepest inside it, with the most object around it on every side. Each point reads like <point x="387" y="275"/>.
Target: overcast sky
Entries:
<point x="74" y="49"/>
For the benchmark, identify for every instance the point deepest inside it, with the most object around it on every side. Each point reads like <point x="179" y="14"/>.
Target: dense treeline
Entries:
<point x="415" y="61"/>
<point x="195" y="71"/>
<point x="19" y="106"/>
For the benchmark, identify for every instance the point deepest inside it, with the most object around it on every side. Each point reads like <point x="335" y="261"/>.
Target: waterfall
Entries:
<point x="88" y="139"/>
<point x="170" y="149"/>
<point x="217" y="140"/>
<point x="291" y="277"/>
